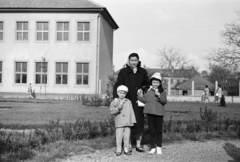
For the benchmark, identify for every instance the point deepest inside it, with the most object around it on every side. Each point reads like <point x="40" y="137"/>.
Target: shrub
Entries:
<point x="208" y="118"/>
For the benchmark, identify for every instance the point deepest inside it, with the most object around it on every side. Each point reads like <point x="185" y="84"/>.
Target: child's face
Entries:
<point x="133" y="61"/>
<point x="155" y="83"/>
<point x="121" y="94"/>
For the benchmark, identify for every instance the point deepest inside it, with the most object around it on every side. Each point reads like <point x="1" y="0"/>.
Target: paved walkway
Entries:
<point x="188" y="151"/>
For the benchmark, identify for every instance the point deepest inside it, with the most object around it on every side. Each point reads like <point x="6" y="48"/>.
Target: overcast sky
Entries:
<point x="145" y="26"/>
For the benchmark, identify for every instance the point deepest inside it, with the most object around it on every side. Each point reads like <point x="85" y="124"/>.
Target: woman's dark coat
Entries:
<point x="136" y="81"/>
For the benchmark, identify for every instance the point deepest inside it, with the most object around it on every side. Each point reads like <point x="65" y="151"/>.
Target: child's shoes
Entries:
<point x="127" y="151"/>
<point x="159" y="150"/>
<point x="152" y="151"/>
<point x="118" y="153"/>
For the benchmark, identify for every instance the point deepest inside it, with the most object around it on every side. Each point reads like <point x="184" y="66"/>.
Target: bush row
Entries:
<point x="209" y="125"/>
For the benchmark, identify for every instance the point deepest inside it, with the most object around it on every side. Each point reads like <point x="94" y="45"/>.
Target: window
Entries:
<point x="61" y="73"/>
<point x="42" y="31"/>
<point x="62" y="31"/>
<point x="1" y="31"/>
<point x="22" y="31"/>
<point x="83" y="33"/>
<point x="41" y="73"/>
<point x="0" y="72"/>
<point x="82" y="73"/>
<point x="21" y="72"/>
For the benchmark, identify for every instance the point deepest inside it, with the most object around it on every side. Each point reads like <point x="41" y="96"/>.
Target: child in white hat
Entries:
<point x="155" y="98"/>
<point x="122" y="109"/>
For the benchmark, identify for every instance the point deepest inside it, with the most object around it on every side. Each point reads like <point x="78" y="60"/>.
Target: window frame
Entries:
<point x="77" y="31"/>
<point x="15" y="72"/>
<point x="2" y="31"/>
<point x="82" y="73"/>
<point x="42" y="31"/>
<point x="22" y="31"/>
<point x="61" y="73"/>
<point x="40" y="73"/>
<point x="62" y="31"/>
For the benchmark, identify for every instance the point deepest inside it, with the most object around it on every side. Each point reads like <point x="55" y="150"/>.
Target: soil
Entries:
<point x="187" y="151"/>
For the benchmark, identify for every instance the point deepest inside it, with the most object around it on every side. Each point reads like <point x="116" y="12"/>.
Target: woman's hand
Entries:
<point x="140" y="93"/>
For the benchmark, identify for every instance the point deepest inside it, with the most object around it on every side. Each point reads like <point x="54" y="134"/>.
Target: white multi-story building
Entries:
<point x="73" y="39"/>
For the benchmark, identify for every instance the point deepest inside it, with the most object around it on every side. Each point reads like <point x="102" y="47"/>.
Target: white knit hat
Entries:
<point x="157" y="76"/>
<point x="122" y="88"/>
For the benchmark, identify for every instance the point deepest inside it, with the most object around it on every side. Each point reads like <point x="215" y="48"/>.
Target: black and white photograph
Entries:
<point x="119" y="80"/>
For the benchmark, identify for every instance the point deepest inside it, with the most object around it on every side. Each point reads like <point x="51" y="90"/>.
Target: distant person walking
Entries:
<point x="205" y="95"/>
<point x="135" y="78"/>
<point x="30" y="94"/>
<point x="219" y="91"/>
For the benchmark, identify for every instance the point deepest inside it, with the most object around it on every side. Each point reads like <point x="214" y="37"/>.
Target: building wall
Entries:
<point x="106" y="53"/>
<point x="71" y="51"/>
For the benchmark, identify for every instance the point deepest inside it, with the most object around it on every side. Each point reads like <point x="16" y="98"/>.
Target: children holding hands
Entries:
<point x="122" y="109"/>
<point x="154" y="98"/>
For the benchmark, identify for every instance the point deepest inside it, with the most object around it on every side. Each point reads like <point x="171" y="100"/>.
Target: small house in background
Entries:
<point x="172" y="77"/>
<point x="198" y="83"/>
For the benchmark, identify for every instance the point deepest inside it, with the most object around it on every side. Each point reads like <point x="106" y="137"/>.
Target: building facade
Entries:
<point x="66" y="46"/>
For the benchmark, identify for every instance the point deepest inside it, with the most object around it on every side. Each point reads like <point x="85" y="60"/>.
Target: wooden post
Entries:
<point x="239" y="89"/>
<point x="193" y="88"/>
<point x="216" y="85"/>
<point x="169" y="86"/>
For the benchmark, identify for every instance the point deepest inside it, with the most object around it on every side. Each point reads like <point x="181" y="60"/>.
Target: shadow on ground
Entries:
<point x="232" y="151"/>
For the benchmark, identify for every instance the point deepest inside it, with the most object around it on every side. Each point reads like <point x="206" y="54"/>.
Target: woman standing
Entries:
<point x="135" y="78"/>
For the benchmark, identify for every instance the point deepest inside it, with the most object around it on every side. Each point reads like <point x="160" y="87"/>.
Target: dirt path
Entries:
<point x="188" y="151"/>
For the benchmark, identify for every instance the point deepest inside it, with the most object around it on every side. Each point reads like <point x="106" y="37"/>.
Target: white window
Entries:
<point x="61" y="73"/>
<point x="83" y="32"/>
<point x="82" y="73"/>
<point x="22" y="31"/>
<point x="42" y="31"/>
<point x="1" y="31"/>
<point x="62" y="31"/>
<point x="41" y="73"/>
<point x="0" y="72"/>
<point x="21" y="72"/>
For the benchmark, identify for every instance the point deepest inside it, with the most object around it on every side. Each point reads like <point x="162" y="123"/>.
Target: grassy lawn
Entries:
<point x="57" y="141"/>
<point x="33" y="111"/>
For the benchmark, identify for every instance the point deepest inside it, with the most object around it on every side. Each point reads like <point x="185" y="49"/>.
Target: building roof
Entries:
<point x="83" y="6"/>
<point x="176" y="73"/>
<point x="48" y="4"/>
<point x="199" y="84"/>
<point x="183" y="73"/>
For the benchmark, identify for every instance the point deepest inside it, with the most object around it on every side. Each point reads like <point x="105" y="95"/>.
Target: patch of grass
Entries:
<point x="58" y="139"/>
<point x="27" y="112"/>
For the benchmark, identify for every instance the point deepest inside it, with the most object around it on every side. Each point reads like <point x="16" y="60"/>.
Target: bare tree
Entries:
<point x="44" y="70"/>
<point x="169" y="58"/>
<point x="229" y="54"/>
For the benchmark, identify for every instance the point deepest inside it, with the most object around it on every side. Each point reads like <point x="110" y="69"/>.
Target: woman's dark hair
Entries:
<point x="135" y="55"/>
<point x="206" y="86"/>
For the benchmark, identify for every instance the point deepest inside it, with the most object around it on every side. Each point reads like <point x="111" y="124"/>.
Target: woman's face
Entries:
<point x="133" y="61"/>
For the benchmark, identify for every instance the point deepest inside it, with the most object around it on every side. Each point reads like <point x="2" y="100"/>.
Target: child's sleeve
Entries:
<point x="163" y="98"/>
<point x="114" y="108"/>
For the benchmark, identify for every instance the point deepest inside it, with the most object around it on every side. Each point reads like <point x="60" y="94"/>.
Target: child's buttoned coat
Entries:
<point x="125" y="116"/>
<point x="153" y="104"/>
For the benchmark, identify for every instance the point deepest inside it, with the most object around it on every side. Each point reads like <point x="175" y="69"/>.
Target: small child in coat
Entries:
<point x="122" y="109"/>
<point x="155" y="98"/>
